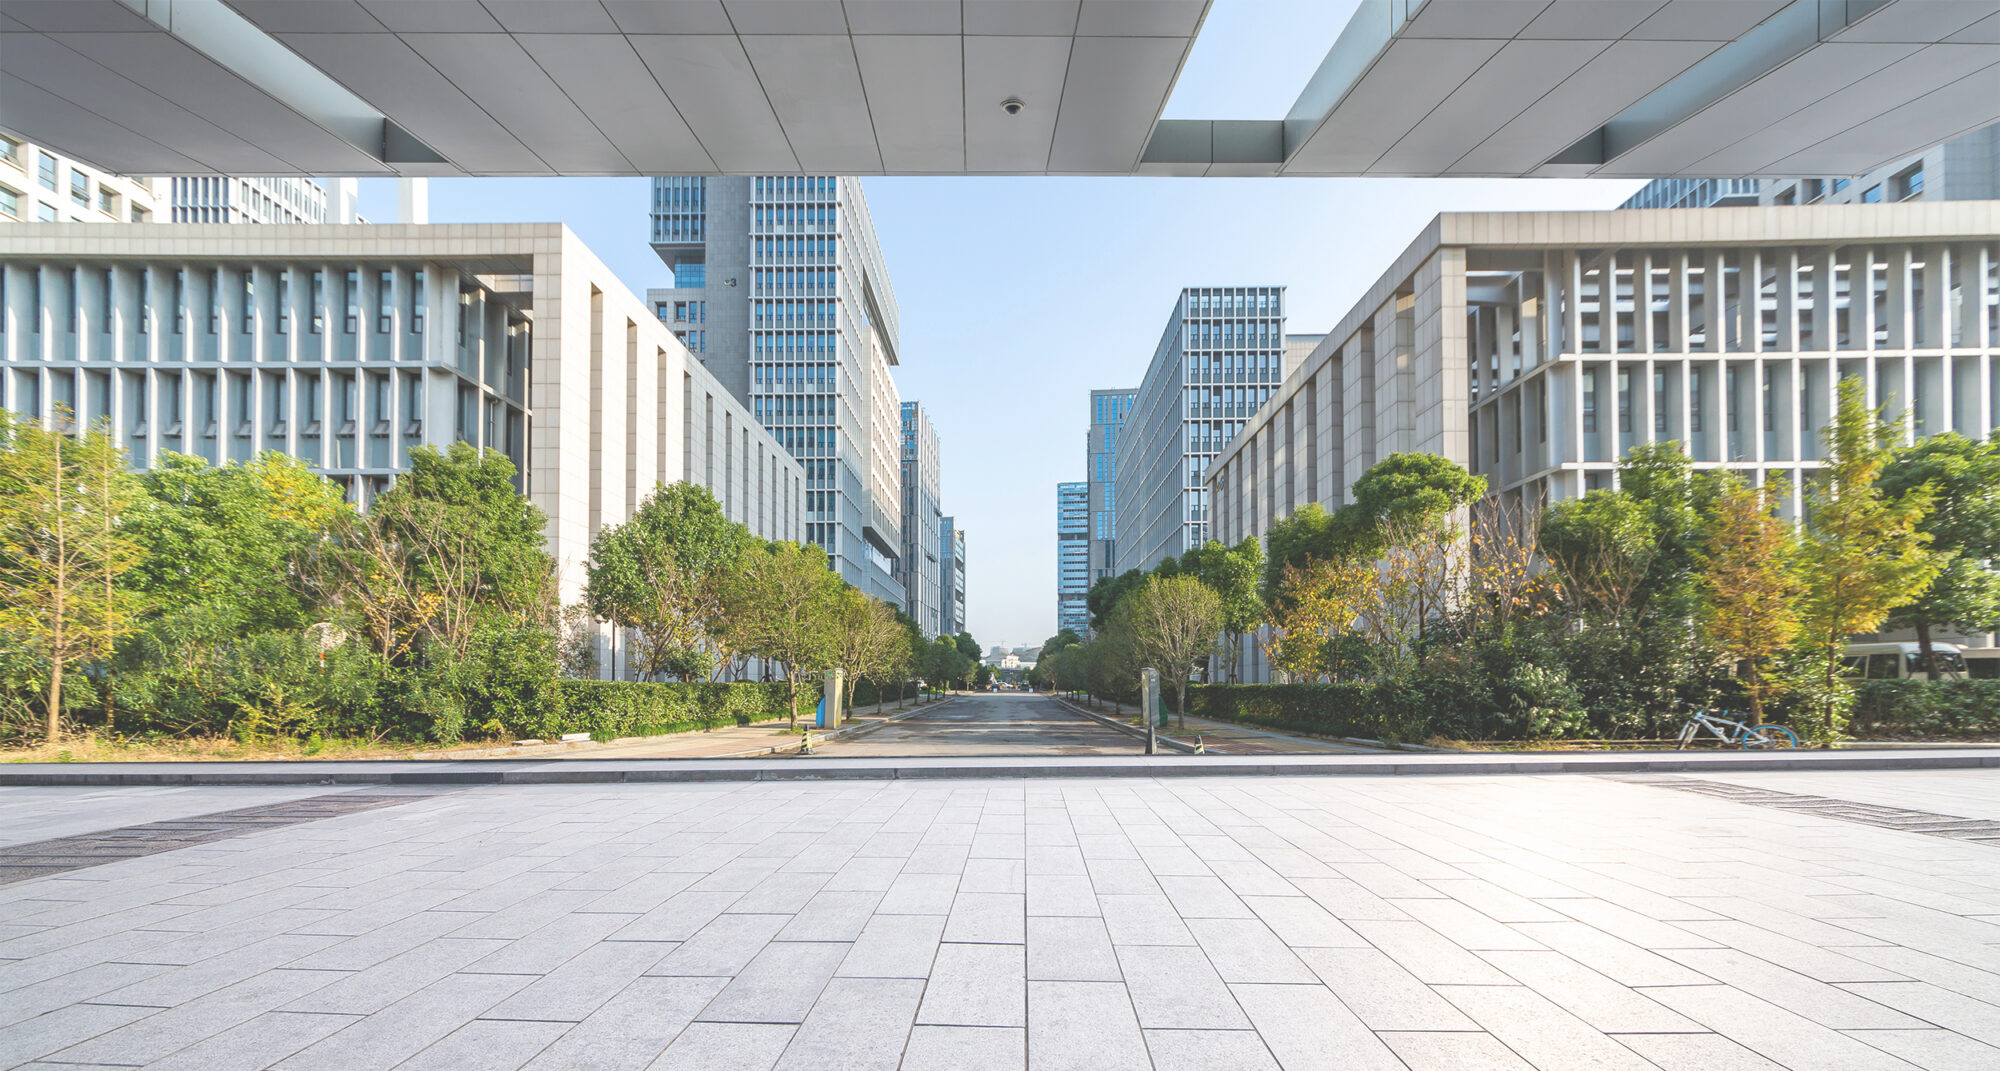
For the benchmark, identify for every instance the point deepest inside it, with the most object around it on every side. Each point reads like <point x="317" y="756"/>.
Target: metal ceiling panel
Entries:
<point x="390" y="75"/>
<point x="85" y="135"/>
<point x="996" y="68"/>
<point x="604" y="76"/>
<point x="177" y="72"/>
<point x="551" y="16"/>
<point x="680" y="16"/>
<point x="1111" y="81"/>
<point x="1919" y="21"/>
<point x="1830" y="112"/>
<point x="916" y="96"/>
<point x="1984" y="32"/>
<point x="492" y="70"/>
<point x="1411" y="78"/>
<point x="433" y="16"/>
<point x="1472" y="18"/>
<point x="1756" y="107"/>
<point x="785" y="17"/>
<point x="815" y="89"/>
<point x="78" y="16"/>
<point x="1591" y="20"/>
<point x="712" y="84"/>
<point x="1140" y="18"/>
<point x="1608" y="84"/>
<point x="321" y="16"/>
<point x="902" y="17"/>
<point x="1705" y="20"/>
<point x="1520" y="74"/>
<point x="1019" y="18"/>
<point x="1965" y="105"/>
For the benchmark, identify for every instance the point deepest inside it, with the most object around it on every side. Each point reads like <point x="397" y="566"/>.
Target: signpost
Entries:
<point x="830" y="698"/>
<point x="1149" y="701"/>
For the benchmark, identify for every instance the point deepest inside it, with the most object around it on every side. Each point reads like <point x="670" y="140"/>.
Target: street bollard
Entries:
<point x="1149" y="699"/>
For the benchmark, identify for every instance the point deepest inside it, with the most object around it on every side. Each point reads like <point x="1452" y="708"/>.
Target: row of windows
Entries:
<point x="1247" y="301"/>
<point x="243" y="282"/>
<point x="793" y="313"/>
<point x="792" y="345"/>
<point x="794" y="186"/>
<point x="771" y="217"/>
<point x="775" y="374"/>
<point x="793" y="408"/>
<point x="1232" y="334"/>
<point x="683" y="312"/>
<point x="792" y="250"/>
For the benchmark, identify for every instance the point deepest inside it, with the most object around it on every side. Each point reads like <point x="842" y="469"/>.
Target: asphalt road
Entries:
<point x="993" y="724"/>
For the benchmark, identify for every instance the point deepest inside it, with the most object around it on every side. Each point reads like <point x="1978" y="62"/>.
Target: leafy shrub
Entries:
<point x="633" y="708"/>
<point x="1942" y="710"/>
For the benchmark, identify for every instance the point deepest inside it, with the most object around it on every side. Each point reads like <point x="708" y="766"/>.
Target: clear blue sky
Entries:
<point x="1020" y="295"/>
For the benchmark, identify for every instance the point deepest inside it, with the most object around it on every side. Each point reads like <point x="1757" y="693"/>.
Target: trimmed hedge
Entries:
<point x="1361" y="709"/>
<point x="1918" y="709"/>
<point x="641" y="708"/>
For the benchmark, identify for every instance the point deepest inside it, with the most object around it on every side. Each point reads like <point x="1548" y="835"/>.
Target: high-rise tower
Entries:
<point x="1072" y="556"/>
<point x="923" y="517"/>
<point x="780" y="290"/>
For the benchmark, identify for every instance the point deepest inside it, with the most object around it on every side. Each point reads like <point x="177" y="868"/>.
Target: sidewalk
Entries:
<point x="774" y="737"/>
<point x="1224" y="738"/>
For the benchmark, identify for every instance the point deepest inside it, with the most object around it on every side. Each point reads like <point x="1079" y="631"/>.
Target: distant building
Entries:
<point x="1966" y="168"/>
<point x="1072" y="556"/>
<point x="1694" y="193"/>
<point x="39" y="186"/>
<point x="1221" y="356"/>
<point x="227" y="199"/>
<point x="951" y="577"/>
<point x="923" y="517"/>
<point x="1108" y="410"/>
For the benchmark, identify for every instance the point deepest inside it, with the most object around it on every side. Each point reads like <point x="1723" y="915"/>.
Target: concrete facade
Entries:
<point x="1221" y="356"/>
<point x="40" y="185"/>
<point x="348" y="346"/>
<point x="1966" y="168"/>
<point x="232" y="199"/>
<point x="781" y="291"/>
<point x="1108" y="411"/>
<point x="923" y="520"/>
<point x="1538" y="348"/>
<point x="1072" y="556"/>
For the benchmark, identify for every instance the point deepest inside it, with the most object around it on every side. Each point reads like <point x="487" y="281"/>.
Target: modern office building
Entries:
<point x="1538" y="348"/>
<point x="1072" y="556"/>
<point x="951" y="577"/>
<point x="41" y="186"/>
<point x="923" y="520"/>
<point x="781" y="292"/>
<point x="1694" y="193"/>
<point x="1108" y="410"/>
<point x="231" y="199"/>
<point x="347" y="346"/>
<point x="1221" y="356"/>
<point x="1966" y="168"/>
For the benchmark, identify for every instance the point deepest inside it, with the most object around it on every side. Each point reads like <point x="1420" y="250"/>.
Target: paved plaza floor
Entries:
<point x="1686" y="923"/>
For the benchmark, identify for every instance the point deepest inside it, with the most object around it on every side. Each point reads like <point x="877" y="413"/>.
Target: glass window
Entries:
<point x="45" y="213"/>
<point x="46" y="172"/>
<point x="1872" y="195"/>
<point x="79" y="187"/>
<point x="385" y="302"/>
<point x="9" y="148"/>
<point x="10" y="203"/>
<point x="417" y="299"/>
<point x="249" y="301"/>
<point x="1910" y="183"/>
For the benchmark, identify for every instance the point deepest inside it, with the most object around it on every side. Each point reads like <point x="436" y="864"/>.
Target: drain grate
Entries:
<point x="19" y="862"/>
<point x="1978" y="830"/>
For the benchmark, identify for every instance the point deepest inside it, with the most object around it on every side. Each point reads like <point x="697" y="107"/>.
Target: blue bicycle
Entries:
<point x="1737" y="734"/>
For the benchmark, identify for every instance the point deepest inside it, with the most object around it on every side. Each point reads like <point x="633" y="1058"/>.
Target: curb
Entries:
<point x="845" y="732"/>
<point x="1164" y="740"/>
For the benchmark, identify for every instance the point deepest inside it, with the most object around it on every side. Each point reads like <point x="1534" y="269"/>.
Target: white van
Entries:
<point x="1902" y="661"/>
<point x="1981" y="663"/>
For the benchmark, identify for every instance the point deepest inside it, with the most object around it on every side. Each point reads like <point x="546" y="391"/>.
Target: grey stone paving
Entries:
<point x="1411" y="923"/>
<point x="998" y="724"/>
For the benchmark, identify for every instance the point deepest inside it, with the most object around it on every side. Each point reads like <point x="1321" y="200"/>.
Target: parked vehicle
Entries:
<point x="1902" y="661"/>
<point x="1981" y="663"/>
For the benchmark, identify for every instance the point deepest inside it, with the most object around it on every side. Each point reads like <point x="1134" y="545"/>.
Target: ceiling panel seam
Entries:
<point x="1049" y="159"/>
<point x="777" y="118"/>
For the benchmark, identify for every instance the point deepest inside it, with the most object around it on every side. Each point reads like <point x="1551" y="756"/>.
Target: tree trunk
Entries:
<point x="792" y="689"/>
<point x="1926" y="651"/>
<point x="1180" y="702"/>
<point x="1756" y="694"/>
<point x="54" y="727"/>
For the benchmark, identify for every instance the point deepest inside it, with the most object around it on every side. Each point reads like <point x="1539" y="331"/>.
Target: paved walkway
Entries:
<point x="1227" y="738"/>
<point x="1419" y="923"/>
<point x="1005" y="723"/>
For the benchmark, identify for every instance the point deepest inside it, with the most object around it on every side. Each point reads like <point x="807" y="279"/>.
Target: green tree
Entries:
<point x="662" y="575"/>
<point x="1747" y="573"/>
<point x="63" y="549"/>
<point x="1065" y="638"/>
<point x="1862" y="554"/>
<point x="868" y="641"/>
<point x="1603" y="546"/>
<point x="983" y="676"/>
<point x="967" y="646"/>
<point x="1173" y="623"/>
<point x="469" y="490"/>
<point x="1233" y="573"/>
<point x="1963" y="476"/>
<point x="1412" y="485"/>
<point x="1104" y="595"/>
<point x="784" y="605"/>
<point x="946" y="662"/>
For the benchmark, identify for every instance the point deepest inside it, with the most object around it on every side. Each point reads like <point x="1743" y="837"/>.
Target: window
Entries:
<point x="1788" y="196"/>
<point x="140" y="215"/>
<point x="385" y="302"/>
<point x="10" y="203"/>
<point x="9" y="148"/>
<point x="45" y="213"/>
<point x="1872" y="195"/>
<point x="79" y="187"/>
<point x="45" y="172"/>
<point x="180" y="302"/>
<point x="417" y="303"/>
<point x="284" y="302"/>
<point x="249" y="301"/>
<point x="107" y="202"/>
<point x="318" y="301"/>
<point x="1840" y="184"/>
<point x="352" y="292"/>
<point x="1910" y="183"/>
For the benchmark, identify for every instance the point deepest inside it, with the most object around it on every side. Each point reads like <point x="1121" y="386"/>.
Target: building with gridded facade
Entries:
<point x="923" y="520"/>
<point x="1072" y="556"/>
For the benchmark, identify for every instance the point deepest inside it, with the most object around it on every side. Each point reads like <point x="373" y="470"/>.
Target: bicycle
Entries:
<point x="1736" y="733"/>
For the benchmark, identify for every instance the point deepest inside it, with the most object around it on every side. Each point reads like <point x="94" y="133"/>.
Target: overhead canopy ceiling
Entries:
<point x="640" y="87"/>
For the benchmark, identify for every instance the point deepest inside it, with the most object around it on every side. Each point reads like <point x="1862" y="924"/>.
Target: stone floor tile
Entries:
<point x="977" y="985"/>
<point x="1495" y="902"/>
<point x="1116" y="877"/>
<point x="1543" y="1033"/>
<point x="987" y="918"/>
<point x="1814" y="961"/>
<point x="1245" y="950"/>
<point x="183" y="984"/>
<point x="894" y="946"/>
<point x="1210" y="1050"/>
<point x="859" y="1024"/>
<point x="920" y="894"/>
<point x="488" y="1044"/>
<point x="965" y="1048"/>
<point x="1466" y="927"/>
<point x="1175" y="987"/>
<point x="257" y="1043"/>
<point x="1828" y="1005"/>
<point x="555" y="944"/>
<point x="779" y="986"/>
<point x="1906" y="964"/>
<point x="632" y="1029"/>
<point x="723" y="946"/>
<point x="55" y="1030"/>
<point x="1301" y="922"/>
<point x="1061" y="894"/>
<point x="780" y="894"/>
<point x="1306" y="1026"/>
<point x="1793" y="1041"/>
<point x="1447" y="1051"/>
<point x="1347" y="901"/>
<point x="1696" y="1052"/>
<point x="371" y="990"/>
<point x="832" y="915"/>
<point x="726" y="1047"/>
<point x="178" y="1027"/>
<point x="1143" y="919"/>
<point x="1066" y="949"/>
<point x="1588" y="995"/>
<point x="1933" y="1050"/>
<point x="574" y="990"/>
<point x="1381" y="992"/>
<point x="1934" y="1005"/>
<point x="1083" y="1026"/>
<point x="1203" y="896"/>
<point x="1429" y="955"/>
<point x="1621" y="961"/>
<point x="408" y="1026"/>
<point x="66" y="989"/>
<point x="866" y="873"/>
